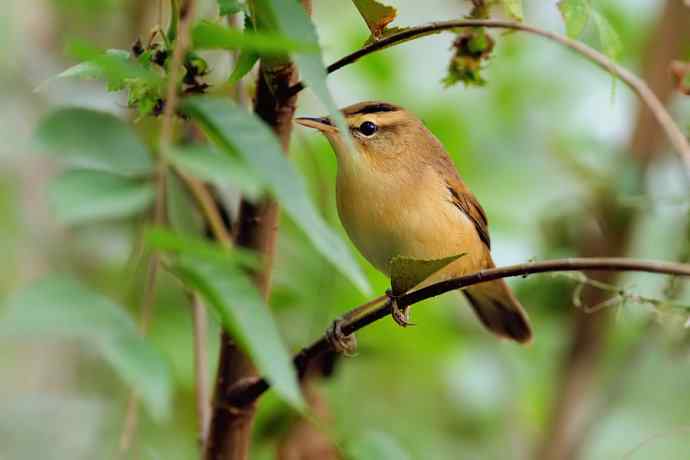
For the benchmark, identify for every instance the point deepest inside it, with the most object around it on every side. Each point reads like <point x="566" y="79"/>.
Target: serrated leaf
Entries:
<point x="407" y="272"/>
<point x="229" y="7"/>
<point x="60" y="307"/>
<point x="245" y="315"/>
<point x="376" y="15"/>
<point x="217" y="168"/>
<point x="245" y="63"/>
<point x="83" y="195"/>
<point x="210" y="35"/>
<point x="514" y="9"/>
<point x="610" y="40"/>
<point x="93" y="139"/>
<point x="176" y="243"/>
<point x="575" y="14"/>
<point x="236" y="131"/>
<point x="291" y="19"/>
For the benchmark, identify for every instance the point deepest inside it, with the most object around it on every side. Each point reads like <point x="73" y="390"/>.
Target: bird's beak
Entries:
<point x="323" y="124"/>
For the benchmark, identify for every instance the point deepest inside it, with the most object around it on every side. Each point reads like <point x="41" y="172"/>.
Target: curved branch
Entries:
<point x="250" y="389"/>
<point x="638" y="86"/>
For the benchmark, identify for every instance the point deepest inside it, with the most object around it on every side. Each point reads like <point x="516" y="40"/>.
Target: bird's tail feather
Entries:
<point x="499" y="310"/>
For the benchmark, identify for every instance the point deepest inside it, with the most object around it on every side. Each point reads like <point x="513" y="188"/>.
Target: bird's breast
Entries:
<point x="386" y="215"/>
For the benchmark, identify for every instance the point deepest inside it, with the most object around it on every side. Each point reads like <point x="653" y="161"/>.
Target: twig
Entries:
<point x="249" y="391"/>
<point x="203" y="400"/>
<point x="638" y="86"/>
<point x="208" y="207"/>
<point x="186" y="14"/>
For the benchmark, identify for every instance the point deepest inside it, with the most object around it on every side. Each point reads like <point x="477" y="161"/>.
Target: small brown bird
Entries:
<point x="399" y="194"/>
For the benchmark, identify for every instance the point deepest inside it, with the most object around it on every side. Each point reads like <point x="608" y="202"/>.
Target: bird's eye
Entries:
<point x="368" y="128"/>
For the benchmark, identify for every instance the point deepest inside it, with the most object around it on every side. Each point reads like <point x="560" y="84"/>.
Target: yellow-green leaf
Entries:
<point x="514" y="9"/>
<point x="376" y="15"/>
<point x="576" y="15"/>
<point x="610" y="41"/>
<point x="407" y="272"/>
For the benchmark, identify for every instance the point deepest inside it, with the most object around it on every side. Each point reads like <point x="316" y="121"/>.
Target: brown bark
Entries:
<point x="230" y="430"/>
<point x="563" y="439"/>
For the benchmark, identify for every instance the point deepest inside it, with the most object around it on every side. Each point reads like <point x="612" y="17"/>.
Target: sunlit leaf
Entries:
<point x="576" y="14"/>
<point x="237" y="131"/>
<point x="376" y="15"/>
<point x="60" y="307"/>
<point x="93" y="139"/>
<point x="165" y="240"/>
<point x="245" y="315"/>
<point x="610" y="40"/>
<point x="245" y="63"/>
<point x="375" y="445"/>
<point x="407" y="272"/>
<point x="84" y="195"/>
<point x="216" y="168"/>
<point x="514" y="9"/>
<point x="210" y="35"/>
<point x="291" y="19"/>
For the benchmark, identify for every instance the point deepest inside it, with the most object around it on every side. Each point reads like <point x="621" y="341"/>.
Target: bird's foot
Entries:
<point x="341" y="343"/>
<point x="400" y="315"/>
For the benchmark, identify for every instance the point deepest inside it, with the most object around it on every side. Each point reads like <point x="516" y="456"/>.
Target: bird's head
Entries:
<point x="382" y="134"/>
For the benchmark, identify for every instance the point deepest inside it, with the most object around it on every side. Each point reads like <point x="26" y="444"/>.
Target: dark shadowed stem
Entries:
<point x="229" y="433"/>
<point x="638" y="86"/>
<point x="249" y="390"/>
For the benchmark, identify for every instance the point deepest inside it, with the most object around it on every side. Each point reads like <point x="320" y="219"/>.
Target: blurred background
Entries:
<point x="562" y="158"/>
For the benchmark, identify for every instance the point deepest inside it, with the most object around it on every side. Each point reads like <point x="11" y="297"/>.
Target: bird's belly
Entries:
<point x="422" y="224"/>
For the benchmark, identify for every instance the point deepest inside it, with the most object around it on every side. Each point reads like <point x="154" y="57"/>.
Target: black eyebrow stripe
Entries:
<point x="376" y="108"/>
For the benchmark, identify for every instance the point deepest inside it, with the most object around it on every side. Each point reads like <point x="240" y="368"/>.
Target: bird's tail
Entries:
<point x="499" y="310"/>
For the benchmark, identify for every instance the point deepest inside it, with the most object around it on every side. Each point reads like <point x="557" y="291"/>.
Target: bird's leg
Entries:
<point x="400" y="315"/>
<point x="347" y="344"/>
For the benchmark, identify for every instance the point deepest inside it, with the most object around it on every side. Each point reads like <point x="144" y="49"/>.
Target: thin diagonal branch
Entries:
<point x="638" y="86"/>
<point x="249" y="390"/>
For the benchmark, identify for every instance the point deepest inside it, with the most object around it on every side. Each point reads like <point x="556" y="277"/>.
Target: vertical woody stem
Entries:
<point x="230" y="430"/>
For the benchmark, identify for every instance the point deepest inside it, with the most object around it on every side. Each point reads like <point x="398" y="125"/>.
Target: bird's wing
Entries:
<point x="460" y="195"/>
<point x="466" y="202"/>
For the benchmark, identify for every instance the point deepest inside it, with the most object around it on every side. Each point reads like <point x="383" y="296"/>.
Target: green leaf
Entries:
<point x="181" y="207"/>
<point x="229" y="7"/>
<point x="209" y="35"/>
<point x="217" y="168"/>
<point x="407" y="272"/>
<point x="375" y="445"/>
<point x="245" y="315"/>
<point x="84" y="195"/>
<point x="93" y="139"/>
<point x="610" y="41"/>
<point x="514" y="9"/>
<point x="292" y="20"/>
<point x="575" y="14"/>
<point x="165" y="240"/>
<point x="376" y="15"/>
<point x="116" y="67"/>
<point x="245" y="63"/>
<point x="60" y="307"/>
<point x="236" y="130"/>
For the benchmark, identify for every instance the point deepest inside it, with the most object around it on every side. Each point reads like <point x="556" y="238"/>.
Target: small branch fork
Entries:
<point x="638" y="86"/>
<point x="381" y="306"/>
